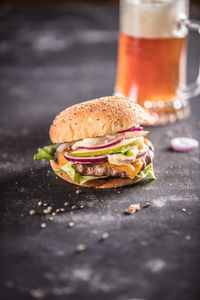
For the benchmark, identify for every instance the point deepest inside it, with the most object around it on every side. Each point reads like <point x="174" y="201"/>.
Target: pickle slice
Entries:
<point x="124" y="143"/>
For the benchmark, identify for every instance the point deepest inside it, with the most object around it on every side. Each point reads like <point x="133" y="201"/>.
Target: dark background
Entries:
<point x="53" y="55"/>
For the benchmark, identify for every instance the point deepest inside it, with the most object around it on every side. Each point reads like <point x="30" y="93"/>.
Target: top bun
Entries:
<point x="99" y="117"/>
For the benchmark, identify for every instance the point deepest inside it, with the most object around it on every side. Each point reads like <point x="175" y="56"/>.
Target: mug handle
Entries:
<point x="186" y="91"/>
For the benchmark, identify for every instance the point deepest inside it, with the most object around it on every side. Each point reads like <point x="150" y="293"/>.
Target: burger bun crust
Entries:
<point x="98" y="117"/>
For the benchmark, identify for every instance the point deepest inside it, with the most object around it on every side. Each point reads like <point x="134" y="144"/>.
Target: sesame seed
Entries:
<point x="66" y="204"/>
<point x="39" y="203"/>
<point x="51" y="218"/>
<point x="78" y="192"/>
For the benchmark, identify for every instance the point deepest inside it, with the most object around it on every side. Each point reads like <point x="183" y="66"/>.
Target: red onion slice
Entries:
<point x="132" y="129"/>
<point x="141" y="154"/>
<point x="183" y="144"/>
<point x="61" y="147"/>
<point x="85" y="160"/>
<point x="104" y="146"/>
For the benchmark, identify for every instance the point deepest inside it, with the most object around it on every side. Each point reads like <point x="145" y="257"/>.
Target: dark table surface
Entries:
<point x="52" y="57"/>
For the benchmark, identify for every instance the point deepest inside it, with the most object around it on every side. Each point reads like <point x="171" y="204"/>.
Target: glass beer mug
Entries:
<point x="152" y="57"/>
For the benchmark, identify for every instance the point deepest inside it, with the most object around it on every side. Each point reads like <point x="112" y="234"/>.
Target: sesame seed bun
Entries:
<point x="96" y="183"/>
<point x="98" y="117"/>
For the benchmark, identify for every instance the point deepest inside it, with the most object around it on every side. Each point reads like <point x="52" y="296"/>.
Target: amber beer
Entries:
<point x="151" y="53"/>
<point x="150" y="69"/>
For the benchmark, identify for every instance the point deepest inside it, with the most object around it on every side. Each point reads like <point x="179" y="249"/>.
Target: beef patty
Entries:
<point x="102" y="170"/>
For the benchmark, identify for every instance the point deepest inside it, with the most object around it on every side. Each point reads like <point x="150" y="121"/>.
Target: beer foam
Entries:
<point x="153" y="18"/>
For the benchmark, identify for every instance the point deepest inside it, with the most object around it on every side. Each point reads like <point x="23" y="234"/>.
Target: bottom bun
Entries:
<point x="96" y="183"/>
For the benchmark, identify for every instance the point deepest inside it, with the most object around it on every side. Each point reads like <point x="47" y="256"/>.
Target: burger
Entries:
<point x="100" y="143"/>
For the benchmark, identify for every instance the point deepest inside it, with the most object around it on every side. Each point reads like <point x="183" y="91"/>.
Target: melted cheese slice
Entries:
<point x="132" y="170"/>
<point x="61" y="159"/>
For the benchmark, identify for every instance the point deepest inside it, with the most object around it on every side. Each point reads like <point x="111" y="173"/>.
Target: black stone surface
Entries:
<point x="52" y="57"/>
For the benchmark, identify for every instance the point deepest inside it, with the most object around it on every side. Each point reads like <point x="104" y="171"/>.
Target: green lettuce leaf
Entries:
<point x="124" y="151"/>
<point x="148" y="171"/>
<point x="46" y="153"/>
<point x="75" y="176"/>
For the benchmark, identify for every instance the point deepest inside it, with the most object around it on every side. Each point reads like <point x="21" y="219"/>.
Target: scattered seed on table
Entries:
<point x="37" y="293"/>
<point x="147" y="204"/>
<point x="48" y="210"/>
<point x="80" y="248"/>
<point x="31" y="212"/>
<point x="71" y="224"/>
<point x="105" y="236"/>
<point x="43" y="225"/>
<point x="169" y="133"/>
